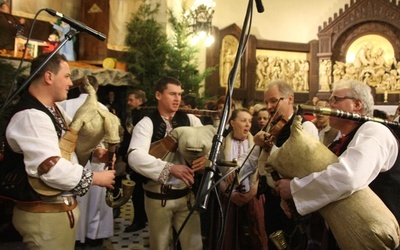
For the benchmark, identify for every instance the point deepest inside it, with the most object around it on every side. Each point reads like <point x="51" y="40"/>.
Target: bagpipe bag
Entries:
<point x="360" y="221"/>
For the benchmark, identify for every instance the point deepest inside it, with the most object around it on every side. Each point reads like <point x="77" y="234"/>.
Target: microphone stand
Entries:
<point x="68" y="37"/>
<point x="208" y="179"/>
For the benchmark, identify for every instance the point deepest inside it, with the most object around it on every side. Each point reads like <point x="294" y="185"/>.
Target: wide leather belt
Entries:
<point x="172" y="194"/>
<point x="47" y="207"/>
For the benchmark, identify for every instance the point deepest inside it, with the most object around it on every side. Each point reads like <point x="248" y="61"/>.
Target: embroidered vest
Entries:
<point x="160" y="127"/>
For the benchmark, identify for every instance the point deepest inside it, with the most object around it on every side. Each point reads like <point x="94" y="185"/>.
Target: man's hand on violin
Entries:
<point x="183" y="173"/>
<point x="200" y="163"/>
<point x="264" y="139"/>
<point x="259" y="138"/>
<point x="282" y="187"/>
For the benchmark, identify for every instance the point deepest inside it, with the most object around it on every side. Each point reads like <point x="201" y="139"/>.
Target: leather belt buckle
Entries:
<point x="165" y="189"/>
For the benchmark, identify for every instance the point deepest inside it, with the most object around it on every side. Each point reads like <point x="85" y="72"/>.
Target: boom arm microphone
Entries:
<point x="77" y="25"/>
<point x="260" y="7"/>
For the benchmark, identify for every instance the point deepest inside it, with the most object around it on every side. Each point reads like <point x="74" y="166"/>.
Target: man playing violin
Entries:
<point x="168" y="193"/>
<point x="279" y="100"/>
<point x="367" y="154"/>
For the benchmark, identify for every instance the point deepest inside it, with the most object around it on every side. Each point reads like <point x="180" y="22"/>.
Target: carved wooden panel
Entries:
<point x="95" y="14"/>
<point x="292" y="60"/>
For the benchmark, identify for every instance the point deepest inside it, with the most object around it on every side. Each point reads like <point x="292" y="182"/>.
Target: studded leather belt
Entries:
<point x="47" y="207"/>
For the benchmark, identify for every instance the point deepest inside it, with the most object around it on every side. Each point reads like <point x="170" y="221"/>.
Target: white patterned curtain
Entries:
<point x="28" y="8"/>
<point x="120" y="14"/>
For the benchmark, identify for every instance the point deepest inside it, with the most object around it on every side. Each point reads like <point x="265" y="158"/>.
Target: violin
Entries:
<point x="273" y="128"/>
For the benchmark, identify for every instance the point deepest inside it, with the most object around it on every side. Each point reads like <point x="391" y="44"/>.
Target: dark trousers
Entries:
<point x="139" y="215"/>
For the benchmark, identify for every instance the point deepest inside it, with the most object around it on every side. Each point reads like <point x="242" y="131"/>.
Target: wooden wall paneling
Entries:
<point x="249" y="73"/>
<point x="247" y="92"/>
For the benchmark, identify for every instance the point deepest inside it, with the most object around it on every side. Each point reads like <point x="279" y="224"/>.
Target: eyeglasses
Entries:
<point x="274" y="101"/>
<point x="334" y="99"/>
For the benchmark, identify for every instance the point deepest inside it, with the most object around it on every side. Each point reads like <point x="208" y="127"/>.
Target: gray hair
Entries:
<point x="139" y="94"/>
<point x="284" y="88"/>
<point x="360" y="91"/>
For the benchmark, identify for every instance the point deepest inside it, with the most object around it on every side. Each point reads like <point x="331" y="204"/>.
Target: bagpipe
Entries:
<point x="360" y="221"/>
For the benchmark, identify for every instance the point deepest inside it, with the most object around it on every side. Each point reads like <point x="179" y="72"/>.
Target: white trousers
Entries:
<point x="162" y="219"/>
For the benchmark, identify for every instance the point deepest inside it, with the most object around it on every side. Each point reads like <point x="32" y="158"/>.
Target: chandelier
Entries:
<point x="200" y="19"/>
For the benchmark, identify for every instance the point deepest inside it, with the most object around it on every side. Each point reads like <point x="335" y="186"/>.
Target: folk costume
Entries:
<point x="370" y="153"/>
<point x="166" y="197"/>
<point x="245" y="224"/>
<point x="34" y="131"/>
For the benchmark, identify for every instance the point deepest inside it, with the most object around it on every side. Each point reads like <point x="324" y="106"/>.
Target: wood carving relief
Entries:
<point x="326" y="58"/>
<point x="374" y="62"/>
<point x="325" y="72"/>
<point x="227" y="58"/>
<point x="291" y="67"/>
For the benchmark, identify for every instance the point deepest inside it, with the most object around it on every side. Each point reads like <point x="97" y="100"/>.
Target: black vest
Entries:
<point x="285" y="132"/>
<point x="27" y="102"/>
<point x="13" y="163"/>
<point x="159" y="129"/>
<point x="387" y="184"/>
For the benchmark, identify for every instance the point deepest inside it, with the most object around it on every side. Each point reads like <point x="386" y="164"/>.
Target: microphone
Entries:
<point x="77" y="25"/>
<point x="205" y="184"/>
<point x="207" y="180"/>
<point x="260" y="7"/>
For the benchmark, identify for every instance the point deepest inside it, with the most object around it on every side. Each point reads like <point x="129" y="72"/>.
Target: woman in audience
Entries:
<point x="262" y="118"/>
<point x="245" y="215"/>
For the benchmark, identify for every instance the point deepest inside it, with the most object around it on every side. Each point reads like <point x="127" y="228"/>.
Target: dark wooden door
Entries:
<point x="95" y="14"/>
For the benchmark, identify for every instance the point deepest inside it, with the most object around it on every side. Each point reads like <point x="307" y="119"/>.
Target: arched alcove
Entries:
<point x="357" y="20"/>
